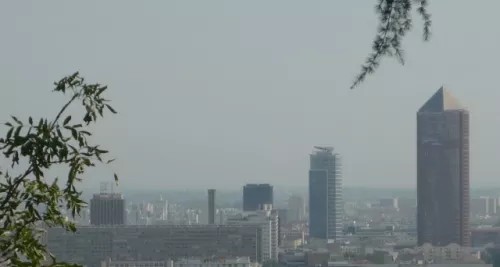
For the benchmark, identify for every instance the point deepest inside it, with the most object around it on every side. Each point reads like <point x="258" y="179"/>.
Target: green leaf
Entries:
<point x="67" y="120"/>
<point x="59" y="133"/>
<point x="109" y="161"/>
<point x="18" y="130"/>
<point x="72" y="227"/>
<point x="16" y="120"/>
<point x="87" y="118"/>
<point x="85" y="133"/>
<point x="101" y="151"/>
<point x="87" y="162"/>
<point x="111" y="109"/>
<point x="9" y="133"/>
<point x="40" y="149"/>
<point x="100" y="90"/>
<point x="74" y="133"/>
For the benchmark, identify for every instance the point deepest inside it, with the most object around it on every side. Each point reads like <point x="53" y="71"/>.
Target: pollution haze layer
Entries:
<point x="222" y="93"/>
<point x="232" y="197"/>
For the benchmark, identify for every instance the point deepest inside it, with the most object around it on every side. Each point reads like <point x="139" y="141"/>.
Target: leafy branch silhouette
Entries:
<point x="395" y="21"/>
<point x="40" y="145"/>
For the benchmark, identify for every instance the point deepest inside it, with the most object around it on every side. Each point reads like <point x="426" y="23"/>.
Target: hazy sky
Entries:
<point x="221" y="93"/>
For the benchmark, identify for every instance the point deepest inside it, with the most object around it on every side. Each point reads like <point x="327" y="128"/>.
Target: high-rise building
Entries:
<point x="325" y="194"/>
<point x="483" y="206"/>
<point x="283" y="217"/>
<point x="160" y="211"/>
<point x="211" y="206"/>
<point x="479" y="206"/>
<point x="221" y="216"/>
<point x="492" y="206"/>
<point x="255" y="196"/>
<point x="134" y="216"/>
<point x="296" y="208"/>
<point x="267" y="220"/>
<point x="391" y="203"/>
<point x="107" y="209"/>
<point x="443" y="198"/>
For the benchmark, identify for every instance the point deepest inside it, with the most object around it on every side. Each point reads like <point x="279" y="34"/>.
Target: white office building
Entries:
<point x="267" y="219"/>
<point x="325" y="194"/>
<point x="296" y="208"/>
<point x="160" y="210"/>
<point x="479" y="206"/>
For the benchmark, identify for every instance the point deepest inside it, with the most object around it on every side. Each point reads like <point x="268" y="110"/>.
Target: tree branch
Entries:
<point x="394" y="22"/>
<point x="75" y="96"/>
<point x="15" y="185"/>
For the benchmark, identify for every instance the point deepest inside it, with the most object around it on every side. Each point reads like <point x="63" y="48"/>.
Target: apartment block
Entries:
<point x="210" y="262"/>
<point x="91" y="245"/>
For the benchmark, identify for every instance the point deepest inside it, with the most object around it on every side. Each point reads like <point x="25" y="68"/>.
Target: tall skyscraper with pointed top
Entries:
<point x="443" y="198"/>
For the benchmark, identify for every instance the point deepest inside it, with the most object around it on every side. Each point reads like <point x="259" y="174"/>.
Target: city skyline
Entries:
<point x="236" y="134"/>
